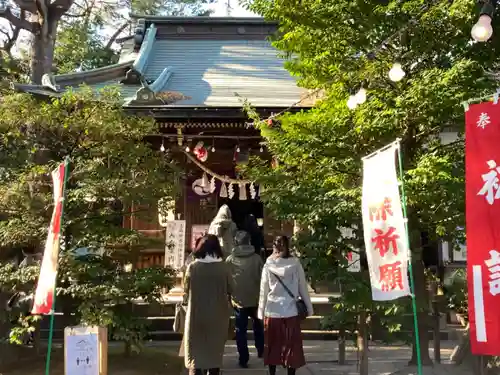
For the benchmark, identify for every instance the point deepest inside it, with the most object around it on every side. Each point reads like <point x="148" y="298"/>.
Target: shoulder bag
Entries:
<point x="299" y="302"/>
<point x="180" y="318"/>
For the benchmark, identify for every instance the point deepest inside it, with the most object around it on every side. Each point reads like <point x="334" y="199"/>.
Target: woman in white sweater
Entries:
<point x="283" y="282"/>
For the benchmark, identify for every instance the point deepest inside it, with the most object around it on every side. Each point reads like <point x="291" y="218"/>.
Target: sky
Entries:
<point x="220" y="9"/>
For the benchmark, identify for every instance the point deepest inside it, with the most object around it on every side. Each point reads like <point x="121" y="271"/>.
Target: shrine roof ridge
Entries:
<point x="134" y="61"/>
<point x="158" y="20"/>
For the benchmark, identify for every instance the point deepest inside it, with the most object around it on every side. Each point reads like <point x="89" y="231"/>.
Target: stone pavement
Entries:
<point x="321" y="357"/>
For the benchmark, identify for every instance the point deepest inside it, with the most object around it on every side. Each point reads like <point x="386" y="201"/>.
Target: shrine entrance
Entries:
<point x="241" y="209"/>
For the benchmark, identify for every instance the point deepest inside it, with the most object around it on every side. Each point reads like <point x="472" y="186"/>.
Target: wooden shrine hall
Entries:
<point x="193" y="74"/>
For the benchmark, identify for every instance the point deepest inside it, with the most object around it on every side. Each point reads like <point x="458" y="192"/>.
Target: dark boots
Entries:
<point x="272" y="370"/>
<point x="197" y="371"/>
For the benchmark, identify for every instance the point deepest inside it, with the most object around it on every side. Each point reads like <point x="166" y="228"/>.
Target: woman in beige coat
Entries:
<point x="207" y="288"/>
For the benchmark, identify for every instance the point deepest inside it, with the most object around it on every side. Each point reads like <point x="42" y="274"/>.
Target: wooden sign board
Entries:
<point x="354" y="262"/>
<point x="197" y="231"/>
<point x="175" y="243"/>
<point x="85" y="350"/>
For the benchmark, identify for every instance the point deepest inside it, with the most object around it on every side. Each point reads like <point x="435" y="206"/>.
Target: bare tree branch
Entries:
<point x="7" y="35"/>
<point x="18" y="22"/>
<point x="116" y="35"/>
<point x="74" y="15"/>
<point x="62" y="5"/>
<point x="28" y="5"/>
<point x="11" y="41"/>
<point x="10" y="38"/>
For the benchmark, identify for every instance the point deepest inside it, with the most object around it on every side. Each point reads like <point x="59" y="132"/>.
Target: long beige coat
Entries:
<point x="207" y="287"/>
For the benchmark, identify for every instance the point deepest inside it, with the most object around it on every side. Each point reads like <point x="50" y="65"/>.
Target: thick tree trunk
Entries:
<point x="42" y="47"/>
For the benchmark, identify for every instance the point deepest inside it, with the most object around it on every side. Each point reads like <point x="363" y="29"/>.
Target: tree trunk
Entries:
<point x="462" y="350"/>
<point x="422" y="299"/>
<point x="4" y="321"/>
<point x="363" y="343"/>
<point x="341" y="343"/>
<point x="463" y="357"/>
<point x="127" y="352"/>
<point x="42" y="46"/>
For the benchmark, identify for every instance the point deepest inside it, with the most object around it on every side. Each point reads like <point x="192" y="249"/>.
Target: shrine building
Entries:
<point x="193" y="74"/>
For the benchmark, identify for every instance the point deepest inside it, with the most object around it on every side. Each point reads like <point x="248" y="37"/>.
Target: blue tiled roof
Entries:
<point x="216" y="72"/>
<point x="195" y="69"/>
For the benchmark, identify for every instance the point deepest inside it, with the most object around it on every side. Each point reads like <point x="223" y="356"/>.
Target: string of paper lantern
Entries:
<point x="228" y="184"/>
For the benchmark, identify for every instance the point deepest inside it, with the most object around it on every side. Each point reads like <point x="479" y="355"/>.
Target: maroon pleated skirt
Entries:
<point x="283" y="342"/>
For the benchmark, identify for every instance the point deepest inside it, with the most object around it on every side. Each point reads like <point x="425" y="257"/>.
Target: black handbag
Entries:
<point x="299" y="302"/>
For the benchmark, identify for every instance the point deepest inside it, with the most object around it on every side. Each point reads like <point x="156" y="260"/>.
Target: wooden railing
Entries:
<point x="150" y="260"/>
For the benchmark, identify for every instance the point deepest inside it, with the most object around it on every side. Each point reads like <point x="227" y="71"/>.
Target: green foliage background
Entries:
<point x="112" y="169"/>
<point x="335" y="48"/>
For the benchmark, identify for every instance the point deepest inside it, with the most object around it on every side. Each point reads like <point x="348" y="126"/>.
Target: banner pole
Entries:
<point x="51" y="326"/>
<point x="410" y="267"/>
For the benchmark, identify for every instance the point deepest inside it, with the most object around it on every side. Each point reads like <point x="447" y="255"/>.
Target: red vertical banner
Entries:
<point x="482" y="172"/>
<point x="44" y="294"/>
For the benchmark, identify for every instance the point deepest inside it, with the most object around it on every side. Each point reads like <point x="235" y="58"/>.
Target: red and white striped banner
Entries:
<point x="482" y="170"/>
<point x="44" y="295"/>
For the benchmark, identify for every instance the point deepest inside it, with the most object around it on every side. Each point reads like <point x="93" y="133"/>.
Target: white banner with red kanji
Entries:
<point x="384" y="226"/>
<point x="482" y="198"/>
<point x="44" y="294"/>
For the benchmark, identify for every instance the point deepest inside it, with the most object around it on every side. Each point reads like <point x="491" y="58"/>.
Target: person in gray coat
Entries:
<point x="224" y="228"/>
<point x="246" y="269"/>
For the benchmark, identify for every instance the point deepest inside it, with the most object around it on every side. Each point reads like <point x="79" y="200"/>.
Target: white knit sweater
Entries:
<point x="274" y="301"/>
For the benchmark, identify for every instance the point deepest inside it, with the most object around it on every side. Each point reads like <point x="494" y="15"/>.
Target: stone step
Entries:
<point x="321" y="307"/>
<point x="165" y="323"/>
<point x="307" y="334"/>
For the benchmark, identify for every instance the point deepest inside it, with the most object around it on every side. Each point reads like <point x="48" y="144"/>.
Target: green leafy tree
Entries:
<point x="81" y="47"/>
<point x="112" y="170"/>
<point x="338" y="47"/>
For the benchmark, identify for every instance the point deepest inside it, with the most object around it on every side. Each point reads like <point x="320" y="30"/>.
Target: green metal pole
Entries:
<point x="51" y="327"/>
<point x="410" y="267"/>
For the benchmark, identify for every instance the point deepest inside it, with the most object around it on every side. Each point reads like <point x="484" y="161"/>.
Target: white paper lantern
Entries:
<point x="205" y="184"/>
<point x="212" y="185"/>
<point x="243" y="192"/>
<point x="223" y="191"/>
<point x="253" y="192"/>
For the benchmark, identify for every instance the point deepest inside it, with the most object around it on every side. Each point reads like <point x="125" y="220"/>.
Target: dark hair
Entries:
<point x="250" y="223"/>
<point x="281" y="246"/>
<point x="256" y="237"/>
<point x="207" y="245"/>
